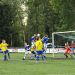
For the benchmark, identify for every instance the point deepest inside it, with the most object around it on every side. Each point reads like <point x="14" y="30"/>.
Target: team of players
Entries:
<point x="38" y="47"/>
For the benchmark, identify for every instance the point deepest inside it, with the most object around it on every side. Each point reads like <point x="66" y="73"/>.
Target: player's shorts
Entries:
<point x="39" y="52"/>
<point x="32" y="52"/>
<point x="0" y="51"/>
<point x="45" y="45"/>
<point x="68" y="51"/>
<point x="27" y="52"/>
<point x="6" y="51"/>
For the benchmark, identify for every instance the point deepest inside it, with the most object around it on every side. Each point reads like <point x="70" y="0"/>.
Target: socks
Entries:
<point x="37" y="57"/>
<point x="8" y="55"/>
<point x="43" y="57"/>
<point x="5" y="57"/>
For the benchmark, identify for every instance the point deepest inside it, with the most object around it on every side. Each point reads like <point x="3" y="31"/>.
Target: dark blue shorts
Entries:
<point x="39" y="52"/>
<point x="0" y="51"/>
<point x="6" y="51"/>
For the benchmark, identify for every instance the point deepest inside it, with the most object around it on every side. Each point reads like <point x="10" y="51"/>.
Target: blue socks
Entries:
<point x="43" y="57"/>
<point x="5" y="57"/>
<point x="37" y="57"/>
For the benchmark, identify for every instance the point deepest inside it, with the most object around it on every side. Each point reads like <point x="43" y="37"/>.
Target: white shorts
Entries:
<point x="45" y="45"/>
<point x="27" y="52"/>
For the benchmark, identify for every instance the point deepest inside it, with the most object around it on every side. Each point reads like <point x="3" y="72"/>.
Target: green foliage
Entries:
<point x="44" y="16"/>
<point x="10" y="23"/>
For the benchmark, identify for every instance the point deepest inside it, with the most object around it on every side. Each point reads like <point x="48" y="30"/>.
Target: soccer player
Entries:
<point x="0" y="47"/>
<point x="33" y="54"/>
<point x="45" y="43"/>
<point x="68" y="50"/>
<point x="27" y="51"/>
<point x="4" y="49"/>
<point x="39" y="47"/>
<point x="33" y="38"/>
<point x="72" y="46"/>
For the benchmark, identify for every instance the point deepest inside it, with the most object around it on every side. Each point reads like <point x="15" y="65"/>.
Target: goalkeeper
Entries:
<point x="68" y="50"/>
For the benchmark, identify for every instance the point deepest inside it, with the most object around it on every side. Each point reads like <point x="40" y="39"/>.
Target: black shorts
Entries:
<point x="32" y="52"/>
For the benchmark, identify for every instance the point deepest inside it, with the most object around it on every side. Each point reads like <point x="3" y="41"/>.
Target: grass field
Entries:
<point x="51" y="66"/>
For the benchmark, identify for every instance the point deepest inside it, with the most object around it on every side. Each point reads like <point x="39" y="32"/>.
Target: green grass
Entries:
<point x="16" y="66"/>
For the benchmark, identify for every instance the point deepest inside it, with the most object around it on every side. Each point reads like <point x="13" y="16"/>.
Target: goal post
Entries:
<point x="64" y="36"/>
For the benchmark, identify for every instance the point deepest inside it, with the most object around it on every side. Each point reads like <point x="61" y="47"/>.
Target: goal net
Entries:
<point x="60" y="38"/>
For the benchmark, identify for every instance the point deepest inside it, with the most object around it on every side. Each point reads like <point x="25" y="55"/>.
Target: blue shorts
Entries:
<point x="0" y="51"/>
<point x="39" y="52"/>
<point x="6" y="51"/>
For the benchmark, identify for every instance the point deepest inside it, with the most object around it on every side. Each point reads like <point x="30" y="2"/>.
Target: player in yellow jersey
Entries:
<point x="0" y="49"/>
<point x="33" y="55"/>
<point x="4" y="49"/>
<point x="39" y="47"/>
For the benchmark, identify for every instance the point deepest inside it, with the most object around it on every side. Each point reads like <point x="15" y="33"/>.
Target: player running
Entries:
<point x="68" y="50"/>
<point x="4" y="49"/>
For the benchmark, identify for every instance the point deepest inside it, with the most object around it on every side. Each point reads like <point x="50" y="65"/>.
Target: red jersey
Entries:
<point x="73" y="45"/>
<point x="67" y="47"/>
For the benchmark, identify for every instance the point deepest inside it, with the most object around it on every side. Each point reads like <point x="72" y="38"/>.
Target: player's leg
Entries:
<point x="5" y="56"/>
<point x="25" y="55"/>
<point x="43" y="57"/>
<point x="44" y="54"/>
<point x="8" y="53"/>
<point x="66" y="55"/>
<point x="66" y="52"/>
<point x="37" y="56"/>
<point x="69" y="52"/>
<point x="70" y="55"/>
<point x="44" y="50"/>
<point x="33" y="55"/>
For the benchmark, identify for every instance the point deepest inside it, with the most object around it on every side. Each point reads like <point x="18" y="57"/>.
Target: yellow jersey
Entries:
<point x="39" y="45"/>
<point x="3" y="46"/>
<point x="0" y="46"/>
<point x="32" y="49"/>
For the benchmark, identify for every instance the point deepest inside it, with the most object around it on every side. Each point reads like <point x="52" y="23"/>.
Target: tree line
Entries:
<point x="44" y="17"/>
